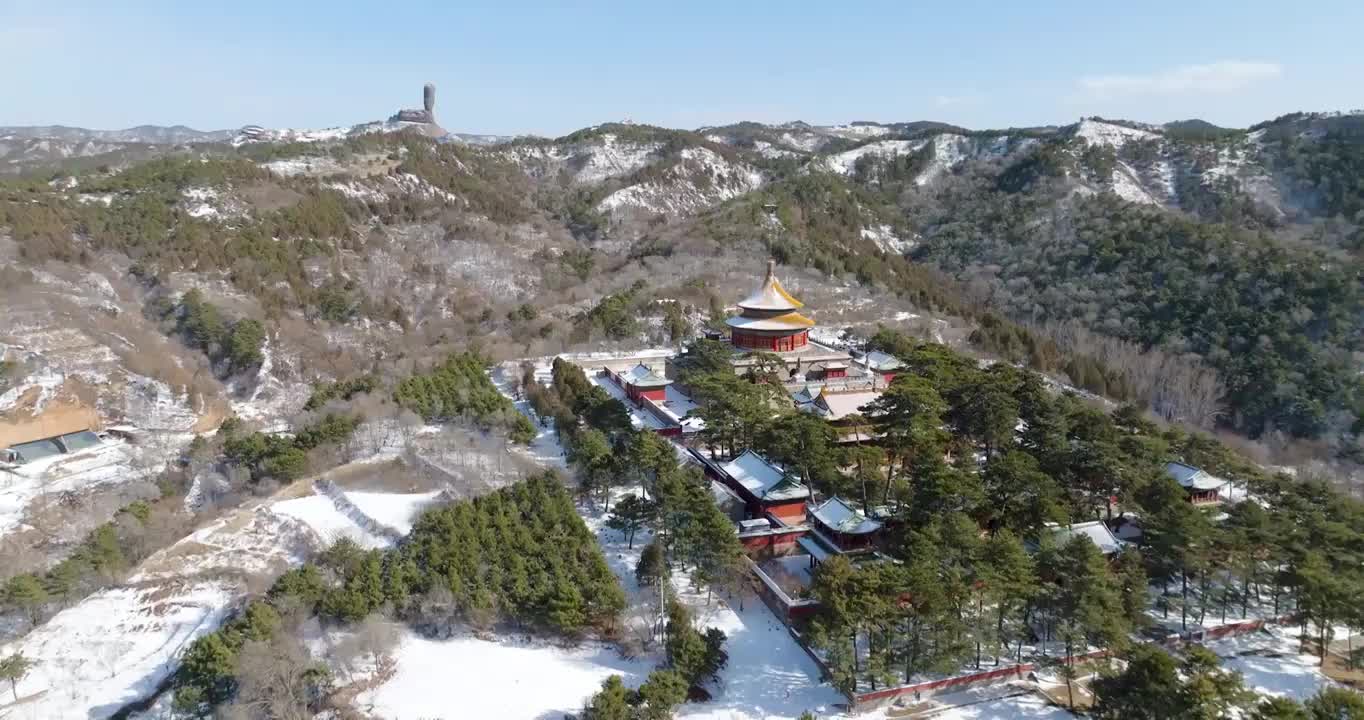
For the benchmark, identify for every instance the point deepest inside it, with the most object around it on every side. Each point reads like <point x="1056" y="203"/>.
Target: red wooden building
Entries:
<point x="768" y="319"/>
<point x="765" y="488"/>
<point x="640" y="382"/>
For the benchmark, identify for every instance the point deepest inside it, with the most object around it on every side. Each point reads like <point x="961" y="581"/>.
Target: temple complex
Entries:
<point x="770" y="323"/>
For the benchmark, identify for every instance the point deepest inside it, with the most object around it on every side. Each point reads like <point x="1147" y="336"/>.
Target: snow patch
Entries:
<point x="396" y="510"/>
<point x="1127" y="185"/>
<point x="700" y="179"/>
<point x="857" y="131"/>
<point x="1096" y="132"/>
<point x="588" y="161"/>
<point x="107" y="463"/>
<point x="885" y="238"/>
<point x="113" y="648"/>
<point x="321" y="515"/>
<point x="496" y="679"/>
<point x="291" y="167"/>
<point x="844" y="162"/>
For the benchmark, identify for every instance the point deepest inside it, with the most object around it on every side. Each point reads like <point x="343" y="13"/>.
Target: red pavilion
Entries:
<point x="769" y="319"/>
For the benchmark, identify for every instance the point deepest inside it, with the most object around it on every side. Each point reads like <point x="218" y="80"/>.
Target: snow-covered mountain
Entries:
<point x="698" y="178"/>
<point x="592" y="158"/>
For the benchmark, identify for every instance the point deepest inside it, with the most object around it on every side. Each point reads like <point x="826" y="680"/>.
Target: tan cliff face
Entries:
<point x="67" y="412"/>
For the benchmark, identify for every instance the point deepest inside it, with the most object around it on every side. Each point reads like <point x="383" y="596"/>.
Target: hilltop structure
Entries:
<point x="428" y="112"/>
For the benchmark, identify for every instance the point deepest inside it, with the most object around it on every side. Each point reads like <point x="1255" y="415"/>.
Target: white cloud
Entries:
<point x="1218" y="77"/>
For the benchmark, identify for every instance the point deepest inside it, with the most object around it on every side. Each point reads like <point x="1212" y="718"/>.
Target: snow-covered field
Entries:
<point x="1272" y="664"/>
<point x="394" y="510"/>
<point x="590" y="161"/>
<point x="466" y="677"/>
<point x="114" y="647"/>
<point x="768" y="675"/>
<point x="111" y="649"/>
<point x="108" y="463"/>
<point x="320" y="514"/>
<point x="985" y="705"/>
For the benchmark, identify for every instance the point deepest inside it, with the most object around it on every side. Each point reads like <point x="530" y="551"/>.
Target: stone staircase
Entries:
<point x="343" y="504"/>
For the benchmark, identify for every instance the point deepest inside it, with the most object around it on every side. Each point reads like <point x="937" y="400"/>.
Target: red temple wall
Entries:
<point x="792" y="513"/>
<point x="774" y="343"/>
<point x="638" y="394"/>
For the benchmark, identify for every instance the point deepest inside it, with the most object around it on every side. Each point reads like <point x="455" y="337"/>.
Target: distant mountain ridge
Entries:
<point x="149" y="134"/>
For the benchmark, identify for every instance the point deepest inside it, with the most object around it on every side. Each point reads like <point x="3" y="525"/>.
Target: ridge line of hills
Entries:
<point x="1117" y="255"/>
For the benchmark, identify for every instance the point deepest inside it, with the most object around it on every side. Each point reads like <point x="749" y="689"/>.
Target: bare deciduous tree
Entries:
<point x="277" y="680"/>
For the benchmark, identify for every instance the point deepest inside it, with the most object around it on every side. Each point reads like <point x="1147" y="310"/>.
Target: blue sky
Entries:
<point x="550" y="68"/>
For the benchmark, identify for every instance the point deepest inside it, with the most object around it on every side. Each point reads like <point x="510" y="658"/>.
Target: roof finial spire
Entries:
<point x="771" y="268"/>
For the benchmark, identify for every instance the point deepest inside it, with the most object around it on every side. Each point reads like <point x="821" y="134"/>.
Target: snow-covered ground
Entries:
<point x="507" y="679"/>
<point x="845" y="161"/>
<point x="768" y="675"/>
<point x="590" y="161"/>
<point x="114" y="647"/>
<point x="996" y="703"/>
<point x="111" y="649"/>
<point x="319" y="165"/>
<point x="885" y="238"/>
<point x="1272" y="663"/>
<point x="856" y="131"/>
<point x="1096" y="132"/>
<point x="108" y="463"/>
<point x="1127" y="185"/>
<point x="394" y="510"/>
<point x="320" y="514"/>
<point x="679" y="191"/>
<point x="295" y="135"/>
<point x="545" y="449"/>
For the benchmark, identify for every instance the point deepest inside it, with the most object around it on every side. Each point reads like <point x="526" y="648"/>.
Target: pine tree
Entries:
<point x="62" y="580"/>
<point x="661" y="692"/>
<point x="688" y="652"/>
<point x="1133" y="587"/>
<point x="1321" y="593"/>
<point x="1334" y="703"/>
<point x="1279" y="708"/>
<point x="1149" y="688"/>
<point x="650" y="567"/>
<point x="1019" y="496"/>
<point x="206" y="672"/>
<point x="1210" y="691"/>
<point x="1089" y="608"/>
<point x="987" y="413"/>
<point x="609" y="703"/>
<point x="566" y="608"/>
<point x="630" y="514"/>
<point x="26" y="593"/>
<point x="908" y="417"/>
<point x="1176" y="535"/>
<point x="591" y="453"/>
<point x="1012" y="585"/>
<point x="13" y="668"/>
